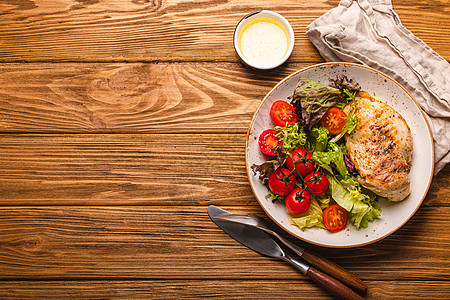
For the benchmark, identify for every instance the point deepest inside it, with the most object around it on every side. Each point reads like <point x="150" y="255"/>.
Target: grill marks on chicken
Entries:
<point x="381" y="148"/>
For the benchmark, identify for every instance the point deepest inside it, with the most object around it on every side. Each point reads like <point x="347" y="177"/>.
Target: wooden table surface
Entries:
<point x="122" y="120"/>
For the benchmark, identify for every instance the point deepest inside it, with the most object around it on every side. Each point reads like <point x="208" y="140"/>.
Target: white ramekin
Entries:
<point x="258" y="15"/>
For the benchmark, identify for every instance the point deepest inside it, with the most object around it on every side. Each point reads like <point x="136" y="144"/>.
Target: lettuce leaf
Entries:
<point x="308" y="222"/>
<point x="312" y="99"/>
<point x="362" y="207"/>
<point x="317" y="139"/>
<point x="311" y="218"/>
<point x="344" y="84"/>
<point x="267" y="167"/>
<point x="324" y="201"/>
<point x="333" y="154"/>
<point x="274" y="196"/>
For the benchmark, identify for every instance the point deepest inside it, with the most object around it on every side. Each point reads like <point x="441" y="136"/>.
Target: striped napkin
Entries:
<point x="369" y="32"/>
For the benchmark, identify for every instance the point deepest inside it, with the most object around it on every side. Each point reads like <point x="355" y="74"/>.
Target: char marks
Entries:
<point x="381" y="148"/>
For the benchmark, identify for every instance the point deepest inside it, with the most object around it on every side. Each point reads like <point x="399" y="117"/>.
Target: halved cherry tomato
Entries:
<point x="298" y="201"/>
<point x="301" y="160"/>
<point x="282" y="113"/>
<point x="268" y="141"/>
<point x="317" y="183"/>
<point x="334" y="120"/>
<point x="280" y="182"/>
<point x="335" y="217"/>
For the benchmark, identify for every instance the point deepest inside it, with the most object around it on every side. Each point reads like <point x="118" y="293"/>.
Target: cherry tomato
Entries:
<point x="282" y="113"/>
<point x="335" y="217"/>
<point x="301" y="159"/>
<point x="317" y="183"/>
<point x="268" y="141"/>
<point x="280" y="182"/>
<point x="298" y="201"/>
<point x="334" y="120"/>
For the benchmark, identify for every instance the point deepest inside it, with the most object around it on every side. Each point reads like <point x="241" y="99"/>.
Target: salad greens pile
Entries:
<point x="311" y="100"/>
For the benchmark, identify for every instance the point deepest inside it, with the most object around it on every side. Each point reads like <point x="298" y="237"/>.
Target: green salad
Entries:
<point x="308" y="167"/>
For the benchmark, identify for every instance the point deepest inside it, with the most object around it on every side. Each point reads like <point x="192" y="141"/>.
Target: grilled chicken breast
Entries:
<point x="381" y="148"/>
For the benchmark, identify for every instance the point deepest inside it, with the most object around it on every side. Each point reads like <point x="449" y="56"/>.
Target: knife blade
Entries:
<point x="319" y="262"/>
<point x="261" y="242"/>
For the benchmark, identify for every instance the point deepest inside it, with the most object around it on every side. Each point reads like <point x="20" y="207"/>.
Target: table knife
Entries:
<point x="319" y="262"/>
<point x="261" y="242"/>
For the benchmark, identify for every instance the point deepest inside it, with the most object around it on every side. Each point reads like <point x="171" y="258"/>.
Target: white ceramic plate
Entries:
<point x="393" y="215"/>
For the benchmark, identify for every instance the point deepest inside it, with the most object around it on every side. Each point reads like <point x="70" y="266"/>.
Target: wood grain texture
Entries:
<point x="123" y="169"/>
<point x="135" y="169"/>
<point x="100" y="30"/>
<point x="196" y="289"/>
<point x="109" y="98"/>
<point x="146" y="242"/>
<point x="122" y="120"/>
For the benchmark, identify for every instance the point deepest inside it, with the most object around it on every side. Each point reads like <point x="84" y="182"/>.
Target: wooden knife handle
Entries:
<point x="331" y="284"/>
<point x="334" y="270"/>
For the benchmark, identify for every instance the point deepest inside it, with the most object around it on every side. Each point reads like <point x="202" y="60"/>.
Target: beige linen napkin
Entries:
<point x="370" y="32"/>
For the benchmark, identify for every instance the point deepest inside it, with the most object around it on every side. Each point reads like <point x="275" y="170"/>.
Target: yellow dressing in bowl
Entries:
<point x="263" y="42"/>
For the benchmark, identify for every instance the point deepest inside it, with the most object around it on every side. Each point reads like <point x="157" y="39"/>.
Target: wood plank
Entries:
<point x="131" y="97"/>
<point x="196" y="289"/>
<point x="439" y="192"/>
<point x="146" y="242"/>
<point x="182" y="169"/>
<point x="430" y="28"/>
<point x="139" y="169"/>
<point x="116" y="30"/>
